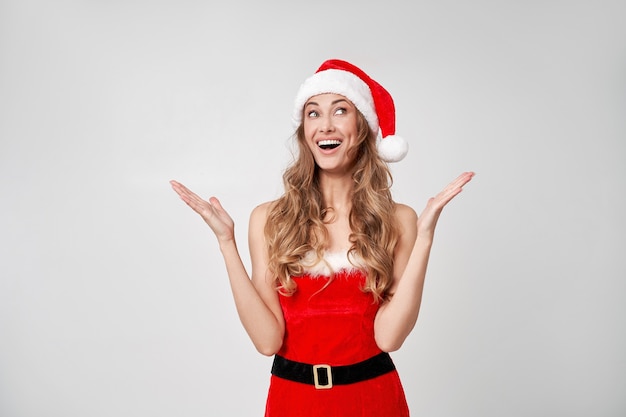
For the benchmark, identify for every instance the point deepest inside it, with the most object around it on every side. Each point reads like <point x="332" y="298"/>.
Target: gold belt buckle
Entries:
<point x="316" y="377"/>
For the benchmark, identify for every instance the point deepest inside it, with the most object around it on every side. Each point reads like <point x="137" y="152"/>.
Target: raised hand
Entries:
<point x="428" y="219"/>
<point x="211" y="212"/>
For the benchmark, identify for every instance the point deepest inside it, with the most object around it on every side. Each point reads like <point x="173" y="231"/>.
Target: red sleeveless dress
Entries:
<point x="333" y="325"/>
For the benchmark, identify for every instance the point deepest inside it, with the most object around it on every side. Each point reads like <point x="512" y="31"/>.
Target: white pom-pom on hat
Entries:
<point x="369" y="97"/>
<point x="392" y="148"/>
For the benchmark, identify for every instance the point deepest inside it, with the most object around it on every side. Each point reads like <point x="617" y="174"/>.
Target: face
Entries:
<point x="330" y="130"/>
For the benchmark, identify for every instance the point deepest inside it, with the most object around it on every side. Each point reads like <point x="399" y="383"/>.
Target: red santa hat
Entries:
<point x="369" y="97"/>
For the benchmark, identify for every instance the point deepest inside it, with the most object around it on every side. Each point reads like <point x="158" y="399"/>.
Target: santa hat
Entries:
<point x="372" y="100"/>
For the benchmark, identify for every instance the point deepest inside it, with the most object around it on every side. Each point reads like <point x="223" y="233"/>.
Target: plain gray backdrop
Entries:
<point x="113" y="294"/>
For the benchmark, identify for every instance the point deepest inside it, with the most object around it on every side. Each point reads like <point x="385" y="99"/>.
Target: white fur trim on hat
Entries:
<point x="367" y="95"/>
<point x="337" y="82"/>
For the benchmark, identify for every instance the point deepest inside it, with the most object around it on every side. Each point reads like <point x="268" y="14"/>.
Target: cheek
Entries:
<point x="308" y="139"/>
<point x="349" y="125"/>
<point x="309" y="131"/>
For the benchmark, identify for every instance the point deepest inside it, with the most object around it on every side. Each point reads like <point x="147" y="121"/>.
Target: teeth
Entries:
<point x="329" y="142"/>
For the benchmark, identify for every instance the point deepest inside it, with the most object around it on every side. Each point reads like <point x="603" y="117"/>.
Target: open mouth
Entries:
<point x="328" y="144"/>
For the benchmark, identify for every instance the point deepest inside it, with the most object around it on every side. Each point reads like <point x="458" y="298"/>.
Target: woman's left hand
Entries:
<point x="427" y="221"/>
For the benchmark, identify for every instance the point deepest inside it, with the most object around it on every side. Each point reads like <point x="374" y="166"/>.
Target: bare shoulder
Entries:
<point x="405" y="216"/>
<point x="258" y="220"/>
<point x="259" y="214"/>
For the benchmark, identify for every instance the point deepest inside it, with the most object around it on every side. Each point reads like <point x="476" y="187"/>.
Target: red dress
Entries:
<point x="334" y="326"/>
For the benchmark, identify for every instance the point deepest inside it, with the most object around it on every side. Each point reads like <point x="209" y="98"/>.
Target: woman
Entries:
<point x="338" y="267"/>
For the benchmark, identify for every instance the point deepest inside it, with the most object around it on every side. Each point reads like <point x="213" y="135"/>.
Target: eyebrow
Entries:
<point x="339" y="100"/>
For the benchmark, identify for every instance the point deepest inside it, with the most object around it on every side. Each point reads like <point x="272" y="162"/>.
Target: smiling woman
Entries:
<point x="330" y="129"/>
<point x="338" y="266"/>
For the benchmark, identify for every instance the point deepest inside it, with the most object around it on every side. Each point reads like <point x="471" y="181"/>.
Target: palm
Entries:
<point x="428" y="219"/>
<point x="211" y="211"/>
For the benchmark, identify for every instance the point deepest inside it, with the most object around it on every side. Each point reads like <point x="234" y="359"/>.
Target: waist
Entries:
<point x="324" y="376"/>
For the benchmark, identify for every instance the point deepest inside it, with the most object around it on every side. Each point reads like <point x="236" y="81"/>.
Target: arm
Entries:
<point x="397" y="317"/>
<point x="256" y="300"/>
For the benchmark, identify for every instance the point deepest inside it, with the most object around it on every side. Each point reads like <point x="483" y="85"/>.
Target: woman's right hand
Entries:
<point x="211" y="212"/>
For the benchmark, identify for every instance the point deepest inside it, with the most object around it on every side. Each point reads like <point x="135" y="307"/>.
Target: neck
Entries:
<point x="336" y="191"/>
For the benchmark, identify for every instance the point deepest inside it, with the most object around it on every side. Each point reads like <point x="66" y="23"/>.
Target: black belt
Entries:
<point x="325" y="376"/>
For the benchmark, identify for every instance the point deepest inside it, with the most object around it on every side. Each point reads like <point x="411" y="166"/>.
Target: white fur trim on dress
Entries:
<point x="332" y="262"/>
<point x="337" y="82"/>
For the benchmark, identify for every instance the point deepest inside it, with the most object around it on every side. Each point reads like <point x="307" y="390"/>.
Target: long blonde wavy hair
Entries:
<point x="295" y="222"/>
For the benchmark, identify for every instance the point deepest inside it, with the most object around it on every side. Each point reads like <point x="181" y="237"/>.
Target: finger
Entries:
<point x="459" y="181"/>
<point x="219" y="210"/>
<point x="179" y="188"/>
<point x="452" y="189"/>
<point x="190" y="198"/>
<point x="177" y="185"/>
<point x="216" y="203"/>
<point x="184" y="192"/>
<point x="456" y="186"/>
<point x="443" y="198"/>
<point x="462" y="179"/>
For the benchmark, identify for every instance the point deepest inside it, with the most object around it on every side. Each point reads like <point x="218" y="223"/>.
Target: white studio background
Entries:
<point x="113" y="294"/>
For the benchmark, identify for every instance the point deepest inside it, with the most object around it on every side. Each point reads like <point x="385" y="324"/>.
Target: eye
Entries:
<point x="341" y="110"/>
<point x="312" y="113"/>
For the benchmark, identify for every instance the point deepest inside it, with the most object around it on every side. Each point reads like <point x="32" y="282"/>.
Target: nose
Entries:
<point x="326" y="124"/>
